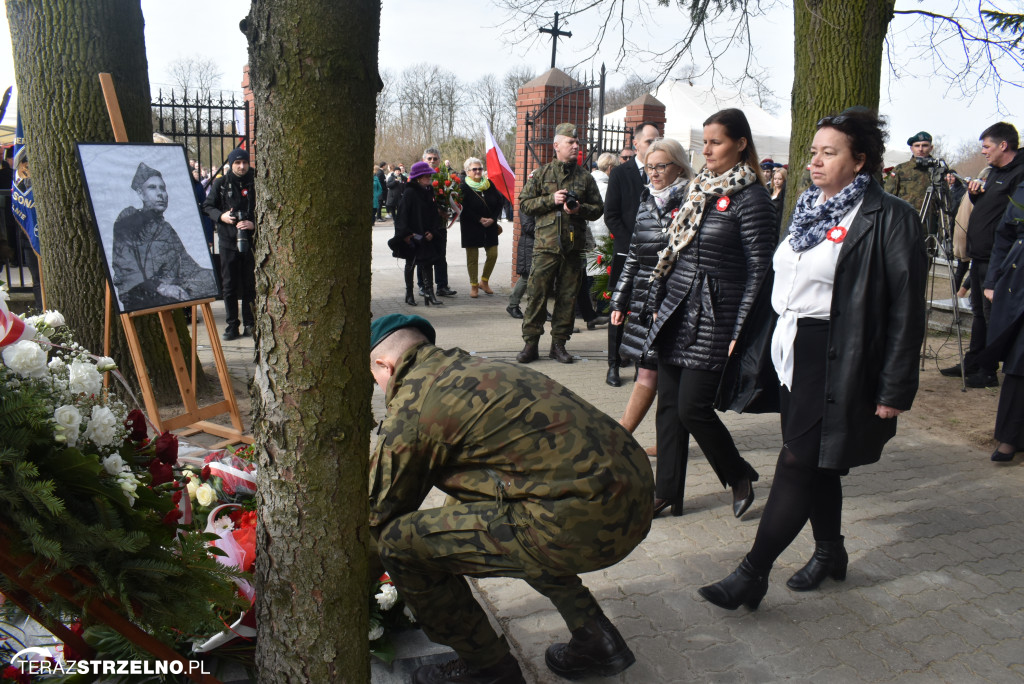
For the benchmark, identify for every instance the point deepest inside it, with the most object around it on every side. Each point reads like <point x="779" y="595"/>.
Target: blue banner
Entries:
<point x="22" y="204"/>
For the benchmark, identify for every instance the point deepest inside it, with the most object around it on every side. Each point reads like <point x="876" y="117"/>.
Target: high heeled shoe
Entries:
<point x="741" y="501"/>
<point x="429" y="299"/>
<point x="676" y="506"/>
<point x="409" y="299"/>
<point x="744" y="587"/>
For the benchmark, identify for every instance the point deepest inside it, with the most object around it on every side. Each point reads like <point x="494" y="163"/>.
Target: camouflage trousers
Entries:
<point x="430" y="553"/>
<point x="557" y="275"/>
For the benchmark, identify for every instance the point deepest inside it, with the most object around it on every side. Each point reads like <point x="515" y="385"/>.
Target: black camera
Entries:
<point x="572" y="200"/>
<point x="242" y="241"/>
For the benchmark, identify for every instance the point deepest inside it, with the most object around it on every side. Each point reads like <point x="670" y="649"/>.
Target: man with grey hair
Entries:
<point x="561" y="196"/>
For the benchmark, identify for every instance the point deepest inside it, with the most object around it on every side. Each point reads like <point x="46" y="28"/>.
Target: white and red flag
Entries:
<point x="498" y="170"/>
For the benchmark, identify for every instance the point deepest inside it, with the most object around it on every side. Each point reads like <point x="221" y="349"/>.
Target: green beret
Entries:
<point x="143" y="174"/>
<point x="385" y="325"/>
<point x="923" y="136"/>
<point x="566" y="129"/>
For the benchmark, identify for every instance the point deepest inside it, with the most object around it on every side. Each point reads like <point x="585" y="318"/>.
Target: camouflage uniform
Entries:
<point x="559" y="243"/>
<point x="909" y="182"/>
<point x="543" y="486"/>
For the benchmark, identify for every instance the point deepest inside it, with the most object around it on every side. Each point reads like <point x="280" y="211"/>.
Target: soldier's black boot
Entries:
<point x="559" y="354"/>
<point x="529" y="354"/>
<point x="595" y="650"/>
<point x="505" y="671"/>
<point x="744" y="587"/>
<point x="829" y="560"/>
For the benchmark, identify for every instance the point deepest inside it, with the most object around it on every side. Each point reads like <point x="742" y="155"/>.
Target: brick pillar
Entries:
<point x="250" y="103"/>
<point x="645" y="108"/>
<point x="574" y="108"/>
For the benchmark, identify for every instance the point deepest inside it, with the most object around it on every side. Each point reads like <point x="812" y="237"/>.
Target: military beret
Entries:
<point x="381" y="328"/>
<point x="923" y="136"/>
<point x="566" y="129"/>
<point x="143" y="174"/>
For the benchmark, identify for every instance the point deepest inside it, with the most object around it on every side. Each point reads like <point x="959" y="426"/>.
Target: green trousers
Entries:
<point x="557" y="275"/>
<point x="473" y="262"/>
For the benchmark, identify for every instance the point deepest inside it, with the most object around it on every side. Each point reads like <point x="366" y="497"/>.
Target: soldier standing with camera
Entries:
<point x="562" y="197"/>
<point x="911" y="179"/>
<point x="231" y="203"/>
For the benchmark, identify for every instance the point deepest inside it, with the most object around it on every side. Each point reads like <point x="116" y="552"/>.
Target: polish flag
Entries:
<point x="498" y="170"/>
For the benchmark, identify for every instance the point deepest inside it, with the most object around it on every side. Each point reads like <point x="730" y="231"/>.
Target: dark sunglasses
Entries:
<point x="832" y="120"/>
<point x="476" y="168"/>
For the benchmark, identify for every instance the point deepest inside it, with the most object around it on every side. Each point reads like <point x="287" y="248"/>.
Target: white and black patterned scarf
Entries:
<point x="687" y="222"/>
<point x="811" y="223"/>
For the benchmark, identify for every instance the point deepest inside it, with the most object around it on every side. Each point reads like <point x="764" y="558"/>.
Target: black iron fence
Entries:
<point x="209" y="127"/>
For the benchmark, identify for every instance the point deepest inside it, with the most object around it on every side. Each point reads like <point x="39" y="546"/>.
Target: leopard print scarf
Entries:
<point x="687" y="221"/>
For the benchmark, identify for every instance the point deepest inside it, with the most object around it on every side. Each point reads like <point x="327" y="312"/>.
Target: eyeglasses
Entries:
<point x="430" y="159"/>
<point x="475" y="169"/>
<point x="660" y="168"/>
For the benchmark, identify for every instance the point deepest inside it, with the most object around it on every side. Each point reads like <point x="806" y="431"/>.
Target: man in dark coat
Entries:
<point x="999" y="143"/>
<point x="622" y="200"/>
<point x="231" y="204"/>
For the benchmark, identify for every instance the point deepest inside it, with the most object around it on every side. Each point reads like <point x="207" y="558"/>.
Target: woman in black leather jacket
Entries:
<point x="631" y="302"/>
<point x="849" y="291"/>
<point x="720" y="246"/>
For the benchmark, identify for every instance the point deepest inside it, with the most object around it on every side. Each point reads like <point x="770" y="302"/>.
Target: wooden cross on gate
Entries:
<point x="554" y="37"/>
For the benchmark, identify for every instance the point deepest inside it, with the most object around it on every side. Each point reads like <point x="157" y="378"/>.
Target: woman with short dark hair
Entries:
<point x="848" y="289"/>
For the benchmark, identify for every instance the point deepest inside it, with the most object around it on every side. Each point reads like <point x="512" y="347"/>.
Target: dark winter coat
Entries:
<point x="475" y="206"/>
<point x="524" y="249"/>
<point x="621" y="203"/>
<point x="231" y="193"/>
<point x="396" y="187"/>
<point x="704" y="300"/>
<point x="418" y="217"/>
<point x="989" y="206"/>
<point x="1006" y="278"/>
<point x="632" y="294"/>
<point x="875" y="332"/>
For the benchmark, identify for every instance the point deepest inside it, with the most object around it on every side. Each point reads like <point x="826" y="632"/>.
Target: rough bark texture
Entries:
<point x="838" y="64"/>
<point x="60" y="48"/>
<point x="313" y="68"/>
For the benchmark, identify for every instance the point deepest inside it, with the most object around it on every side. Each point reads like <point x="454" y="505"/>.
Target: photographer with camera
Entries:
<point x="562" y="196"/>
<point x="910" y="180"/>
<point x="231" y="203"/>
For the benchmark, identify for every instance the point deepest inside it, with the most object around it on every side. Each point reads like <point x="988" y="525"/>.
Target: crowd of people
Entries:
<point x="714" y="312"/>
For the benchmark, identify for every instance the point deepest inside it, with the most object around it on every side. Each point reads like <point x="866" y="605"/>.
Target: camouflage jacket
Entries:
<point x="908" y="182"/>
<point x="557" y="231"/>
<point x="571" y="478"/>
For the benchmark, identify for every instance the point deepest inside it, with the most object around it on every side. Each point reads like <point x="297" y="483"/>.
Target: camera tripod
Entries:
<point x="941" y="244"/>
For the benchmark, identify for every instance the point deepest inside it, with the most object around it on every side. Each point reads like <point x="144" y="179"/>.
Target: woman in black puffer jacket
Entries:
<point x="632" y="303"/>
<point x="720" y="248"/>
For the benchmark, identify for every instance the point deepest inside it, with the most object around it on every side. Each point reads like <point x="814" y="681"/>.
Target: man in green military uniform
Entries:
<point x="910" y="180"/>
<point x="559" y="241"/>
<point x="542" y="486"/>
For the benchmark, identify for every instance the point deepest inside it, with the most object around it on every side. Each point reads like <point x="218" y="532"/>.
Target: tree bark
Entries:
<point x="60" y="48"/>
<point x="313" y="68"/>
<point x="838" y="64"/>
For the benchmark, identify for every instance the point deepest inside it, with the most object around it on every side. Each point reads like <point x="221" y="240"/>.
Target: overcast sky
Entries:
<point x="470" y="38"/>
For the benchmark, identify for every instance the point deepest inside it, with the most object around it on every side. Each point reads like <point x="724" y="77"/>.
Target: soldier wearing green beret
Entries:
<point x="559" y="241"/>
<point x="542" y="486"/>
<point x="910" y="180"/>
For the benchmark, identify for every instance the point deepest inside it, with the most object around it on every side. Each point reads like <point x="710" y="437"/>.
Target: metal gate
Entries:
<point x="209" y="128"/>
<point x="573" y="104"/>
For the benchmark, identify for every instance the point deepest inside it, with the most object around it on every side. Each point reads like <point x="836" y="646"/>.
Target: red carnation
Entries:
<point x="136" y="423"/>
<point x="600" y="258"/>
<point x="161" y="472"/>
<point x="609" y="269"/>
<point x="606" y="295"/>
<point x="204" y="474"/>
<point x="167" y="448"/>
<point x="171" y="519"/>
<point x="447" y="183"/>
<point x="176" y="497"/>
<point x="435" y="184"/>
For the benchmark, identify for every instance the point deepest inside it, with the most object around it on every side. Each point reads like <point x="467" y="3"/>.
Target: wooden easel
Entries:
<point x="195" y="418"/>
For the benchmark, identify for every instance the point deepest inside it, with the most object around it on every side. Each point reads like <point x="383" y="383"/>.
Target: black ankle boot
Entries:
<point x="409" y="299"/>
<point x="430" y="299"/>
<point x="829" y="560"/>
<point x="744" y="587"/>
<point x="595" y="650"/>
<point x="613" y="374"/>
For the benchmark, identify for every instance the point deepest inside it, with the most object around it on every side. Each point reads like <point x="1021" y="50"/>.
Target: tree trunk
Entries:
<point x="60" y="47"/>
<point x="838" y="60"/>
<point x="313" y="69"/>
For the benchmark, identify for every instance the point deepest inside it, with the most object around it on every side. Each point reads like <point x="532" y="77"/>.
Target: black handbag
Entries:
<point x="400" y="249"/>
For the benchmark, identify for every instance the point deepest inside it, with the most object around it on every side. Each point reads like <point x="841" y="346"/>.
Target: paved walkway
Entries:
<point x="935" y="591"/>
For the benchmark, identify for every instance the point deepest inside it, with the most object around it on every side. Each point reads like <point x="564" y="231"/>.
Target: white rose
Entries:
<point x="376" y="632"/>
<point x="33" y="320"/>
<point x="83" y="378"/>
<point x="54" y="319"/>
<point x="26" y="358"/>
<point x="192" y="486"/>
<point x="113" y="464"/>
<point x="68" y="419"/>
<point x="387" y="597"/>
<point x="205" y="494"/>
<point x="105" y="364"/>
<point x="102" y="427"/>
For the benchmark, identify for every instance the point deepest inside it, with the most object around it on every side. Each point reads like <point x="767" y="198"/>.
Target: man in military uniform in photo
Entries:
<point x="910" y="180"/>
<point x="542" y="486"/>
<point x="562" y="197"/>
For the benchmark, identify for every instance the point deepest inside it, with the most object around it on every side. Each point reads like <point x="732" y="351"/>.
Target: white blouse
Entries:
<point x="803" y="289"/>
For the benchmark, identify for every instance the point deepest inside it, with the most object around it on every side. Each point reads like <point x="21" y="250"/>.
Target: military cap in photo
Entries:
<point x="381" y="328"/>
<point x="923" y="136"/>
<point x="143" y="174"/>
<point x="566" y="129"/>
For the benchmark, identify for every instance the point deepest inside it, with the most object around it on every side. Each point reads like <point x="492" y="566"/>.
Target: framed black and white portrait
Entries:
<point x="148" y="221"/>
